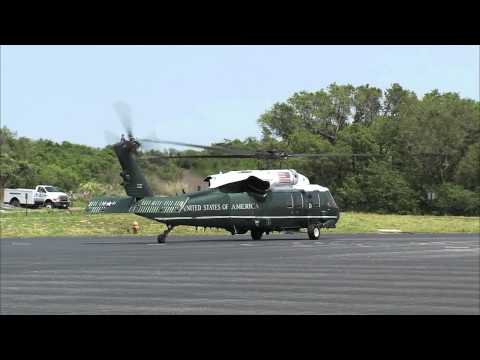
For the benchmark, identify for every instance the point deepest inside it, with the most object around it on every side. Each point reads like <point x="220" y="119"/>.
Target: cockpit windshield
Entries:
<point x="326" y="199"/>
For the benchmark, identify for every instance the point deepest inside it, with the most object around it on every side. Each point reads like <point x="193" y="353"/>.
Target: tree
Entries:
<point x="8" y="170"/>
<point x="378" y="189"/>
<point x="367" y="104"/>
<point x="280" y="121"/>
<point x="455" y="200"/>
<point x="324" y="113"/>
<point x="396" y="98"/>
<point x="435" y="136"/>
<point x="341" y="103"/>
<point x="468" y="170"/>
<point x="10" y="166"/>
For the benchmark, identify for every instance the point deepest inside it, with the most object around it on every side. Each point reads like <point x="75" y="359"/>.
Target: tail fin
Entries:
<point x="133" y="179"/>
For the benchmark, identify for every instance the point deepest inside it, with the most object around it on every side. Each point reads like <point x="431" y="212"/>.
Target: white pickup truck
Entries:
<point x="43" y="195"/>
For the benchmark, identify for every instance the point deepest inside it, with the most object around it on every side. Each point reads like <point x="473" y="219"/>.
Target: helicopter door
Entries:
<point x="313" y="205"/>
<point x="299" y="207"/>
<point x="312" y="201"/>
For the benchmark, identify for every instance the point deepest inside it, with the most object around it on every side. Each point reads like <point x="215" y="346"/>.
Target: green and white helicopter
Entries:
<point x="259" y="201"/>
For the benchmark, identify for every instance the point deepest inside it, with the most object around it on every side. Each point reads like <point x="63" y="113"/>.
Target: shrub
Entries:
<point x="456" y="200"/>
<point x="378" y="189"/>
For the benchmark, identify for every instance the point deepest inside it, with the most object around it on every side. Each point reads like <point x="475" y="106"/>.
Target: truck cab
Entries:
<point x="51" y="196"/>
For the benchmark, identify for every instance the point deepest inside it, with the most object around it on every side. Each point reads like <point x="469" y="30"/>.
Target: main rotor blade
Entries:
<point x="204" y="147"/>
<point x="229" y="156"/>
<point x="330" y="155"/>
<point x="259" y="156"/>
<point x="125" y="114"/>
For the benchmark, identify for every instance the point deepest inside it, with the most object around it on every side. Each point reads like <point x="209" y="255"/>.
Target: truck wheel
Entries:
<point x="256" y="234"/>
<point x="48" y="205"/>
<point x="313" y="232"/>
<point x="15" y="202"/>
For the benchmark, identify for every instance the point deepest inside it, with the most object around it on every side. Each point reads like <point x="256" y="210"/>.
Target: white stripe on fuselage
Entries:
<point x="245" y="217"/>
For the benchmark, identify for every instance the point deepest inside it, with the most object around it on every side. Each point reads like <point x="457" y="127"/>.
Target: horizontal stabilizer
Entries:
<point x="110" y="204"/>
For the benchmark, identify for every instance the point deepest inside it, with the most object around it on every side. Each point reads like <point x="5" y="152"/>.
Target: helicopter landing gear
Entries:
<point x="256" y="234"/>
<point x="162" y="237"/>
<point x="313" y="232"/>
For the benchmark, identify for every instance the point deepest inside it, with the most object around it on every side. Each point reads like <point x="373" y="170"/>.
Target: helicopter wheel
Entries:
<point x="313" y="232"/>
<point x="161" y="238"/>
<point x="256" y="234"/>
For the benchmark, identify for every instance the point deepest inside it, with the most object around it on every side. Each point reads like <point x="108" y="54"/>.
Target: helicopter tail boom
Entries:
<point x="110" y="204"/>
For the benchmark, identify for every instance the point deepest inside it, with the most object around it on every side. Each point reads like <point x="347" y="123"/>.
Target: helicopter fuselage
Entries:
<point x="259" y="201"/>
<point x="278" y="210"/>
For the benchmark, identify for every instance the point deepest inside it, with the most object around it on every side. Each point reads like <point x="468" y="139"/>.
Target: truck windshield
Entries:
<point x="52" y="189"/>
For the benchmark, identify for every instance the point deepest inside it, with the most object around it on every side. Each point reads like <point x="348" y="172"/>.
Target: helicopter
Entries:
<point x="258" y="201"/>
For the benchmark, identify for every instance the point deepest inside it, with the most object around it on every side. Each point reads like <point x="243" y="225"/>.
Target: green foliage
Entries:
<point x="468" y="170"/>
<point x="323" y="113"/>
<point x="27" y="163"/>
<point x="90" y="189"/>
<point x="367" y="102"/>
<point x="414" y="146"/>
<point x="280" y="121"/>
<point x="454" y="199"/>
<point x="378" y="189"/>
<point x="397" y="101"/>
<point x="360" y="139"/>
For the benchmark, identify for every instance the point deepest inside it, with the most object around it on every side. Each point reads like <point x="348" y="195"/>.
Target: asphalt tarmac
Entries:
<point x="280" y="274"/>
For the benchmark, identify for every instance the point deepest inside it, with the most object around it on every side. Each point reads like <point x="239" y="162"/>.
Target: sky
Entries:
<point x="201" y="94"/>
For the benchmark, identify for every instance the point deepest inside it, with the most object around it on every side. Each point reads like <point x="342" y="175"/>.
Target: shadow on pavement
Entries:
<point x="187" y="240"/>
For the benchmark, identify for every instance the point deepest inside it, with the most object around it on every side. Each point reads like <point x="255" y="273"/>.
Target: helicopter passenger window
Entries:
<point x="297" y="199"/>
<point x="315" y="199"/>
<point x="289" y="201"/>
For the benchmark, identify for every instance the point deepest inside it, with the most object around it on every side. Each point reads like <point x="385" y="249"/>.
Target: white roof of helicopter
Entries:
<point x="278" y="179"/>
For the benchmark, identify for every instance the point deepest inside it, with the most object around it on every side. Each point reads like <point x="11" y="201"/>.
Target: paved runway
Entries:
<point x="281" y="274"/>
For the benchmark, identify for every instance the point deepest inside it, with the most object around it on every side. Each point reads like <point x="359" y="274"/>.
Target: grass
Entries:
<point x="43" y="222"/>
<point x="367" y="223"/>
<point x="59" y="222"/>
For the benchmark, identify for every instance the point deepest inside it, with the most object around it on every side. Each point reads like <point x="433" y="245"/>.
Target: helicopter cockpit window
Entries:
<point x="327" y="199"/>
<point x="331" y="201"/>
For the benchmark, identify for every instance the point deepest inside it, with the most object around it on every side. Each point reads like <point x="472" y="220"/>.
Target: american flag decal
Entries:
<point x="284" y="177"/>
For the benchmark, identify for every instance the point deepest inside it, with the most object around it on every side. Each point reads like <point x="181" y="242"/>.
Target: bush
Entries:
<point x="378" y="189"/>
<point x="91" y="189"/>
<point x="455" y="200"/>
<point x="468" y="170"/>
